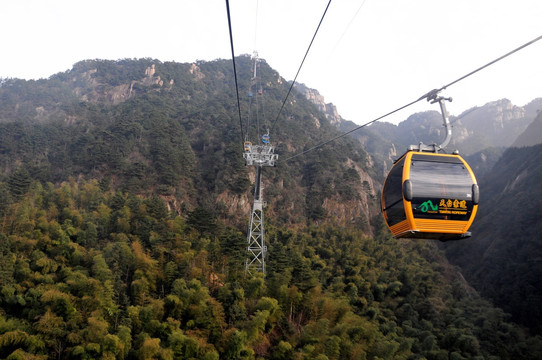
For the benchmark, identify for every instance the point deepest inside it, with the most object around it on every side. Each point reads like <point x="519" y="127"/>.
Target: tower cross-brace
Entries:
<point x="259" y="156"/>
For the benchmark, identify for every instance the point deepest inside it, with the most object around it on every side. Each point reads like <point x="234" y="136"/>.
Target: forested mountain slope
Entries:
<point x="503" y="258"/>
<point x="124" y="202"/>
<point x="88" y="273"/>
<point x="532" y="135"/>
<point x="173" y="130"/>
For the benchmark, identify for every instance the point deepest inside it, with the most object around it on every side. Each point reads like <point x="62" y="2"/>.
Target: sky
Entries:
<point x="369" y="57"/>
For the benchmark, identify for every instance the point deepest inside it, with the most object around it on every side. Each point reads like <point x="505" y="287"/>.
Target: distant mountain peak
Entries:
<point x="532" y="135"/>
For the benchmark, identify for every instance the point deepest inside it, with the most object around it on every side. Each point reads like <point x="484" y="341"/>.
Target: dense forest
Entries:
<point x="123" y="215"/>
<point x="88" y="272"/>
<point x="504" y="258"/>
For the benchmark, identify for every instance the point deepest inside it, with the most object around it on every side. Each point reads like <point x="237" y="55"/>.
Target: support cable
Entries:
<point x="256" y="25"/>
<point x="300" y="66"/>
<point x="258" y="129"/>
<point x="351" y="131"/>
<point x="348" y="26"/>
<point x="464" y="114"/>
<point x="490" y="63"/>
<point x="249" y="115"/>
<point x="429" y="96"/>
<point x="262" y="107"/>
<point x="235" y="71"/>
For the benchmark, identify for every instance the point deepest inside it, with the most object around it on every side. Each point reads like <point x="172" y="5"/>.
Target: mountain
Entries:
<point x="482" y="161"/>
<point x="480" y="134"/>
<point x="496" y="124"/>
<point x="328" y="109"/>
<point x="123" y="214"/>
<point x="532" y="135"/>
<point x="172" y="129"/>
<point x="501" y="142"/>
<point x="503" y="257"/>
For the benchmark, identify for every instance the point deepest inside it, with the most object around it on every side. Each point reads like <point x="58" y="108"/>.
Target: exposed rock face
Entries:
<point x="363" y="207"/>
<point x="195" y="70"/>
<point x="392" y="153"/>
<point x="150" y="79"/>
<point x="494" y="116"/>
<point x="314" y="96"/>
<point x="235" y="204"/>
<point x="496" y="124"/>
<point x="94" y="91"/>
<point x="149" y="72"/>
<point x="358" y="210"/>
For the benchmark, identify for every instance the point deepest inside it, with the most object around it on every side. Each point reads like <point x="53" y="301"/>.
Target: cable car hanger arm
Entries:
<point x="433" y="97"/>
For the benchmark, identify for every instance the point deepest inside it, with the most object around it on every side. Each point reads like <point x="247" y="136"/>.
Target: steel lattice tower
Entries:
<point x="259" y="156"/>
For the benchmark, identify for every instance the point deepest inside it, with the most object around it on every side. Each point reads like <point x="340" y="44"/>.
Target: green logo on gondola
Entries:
<point x="425" y="206"/>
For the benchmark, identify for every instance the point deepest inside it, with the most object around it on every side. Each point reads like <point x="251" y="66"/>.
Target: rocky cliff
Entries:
<point x="90" y="88"/>
<point x="316" y="98"/>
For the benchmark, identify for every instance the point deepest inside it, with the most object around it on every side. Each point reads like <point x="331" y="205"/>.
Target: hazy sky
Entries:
<point x="369" y="57"/>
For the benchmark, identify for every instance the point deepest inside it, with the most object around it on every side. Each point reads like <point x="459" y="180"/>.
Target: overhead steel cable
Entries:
<point x="348" y="26"/>
<point x="300" y="66"/>
<point x="256" y="25"/>
<point x="430" y="95"/>
<point x="351" y="131"/>
<point x="249" y="114"/>
<point x="235" y="71"/>
<point x="452" y="121"/>
<point x="491" y="62"/>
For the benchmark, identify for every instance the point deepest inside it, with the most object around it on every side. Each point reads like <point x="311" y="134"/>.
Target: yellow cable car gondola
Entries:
<point x="247" y="145"/>
<point x="430" y="195"/>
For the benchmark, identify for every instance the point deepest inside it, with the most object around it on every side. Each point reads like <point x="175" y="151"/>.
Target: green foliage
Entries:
<point x="114" y="243"/>
<point x="173" y="133"/>
<point x="330" y="293"/>
<point x="502" y="257"/>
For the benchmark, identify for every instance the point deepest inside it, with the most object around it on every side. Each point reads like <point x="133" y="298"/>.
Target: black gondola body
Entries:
<point x="430" y="196"/>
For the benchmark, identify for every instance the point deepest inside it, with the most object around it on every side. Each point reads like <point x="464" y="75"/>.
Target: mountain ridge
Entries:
<point x="506" y="161"/>
<point x="123" y="108"/>
<point x="124" y="203"/>
<point x="478" y="133"/>
<point x="503" y="255"/>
